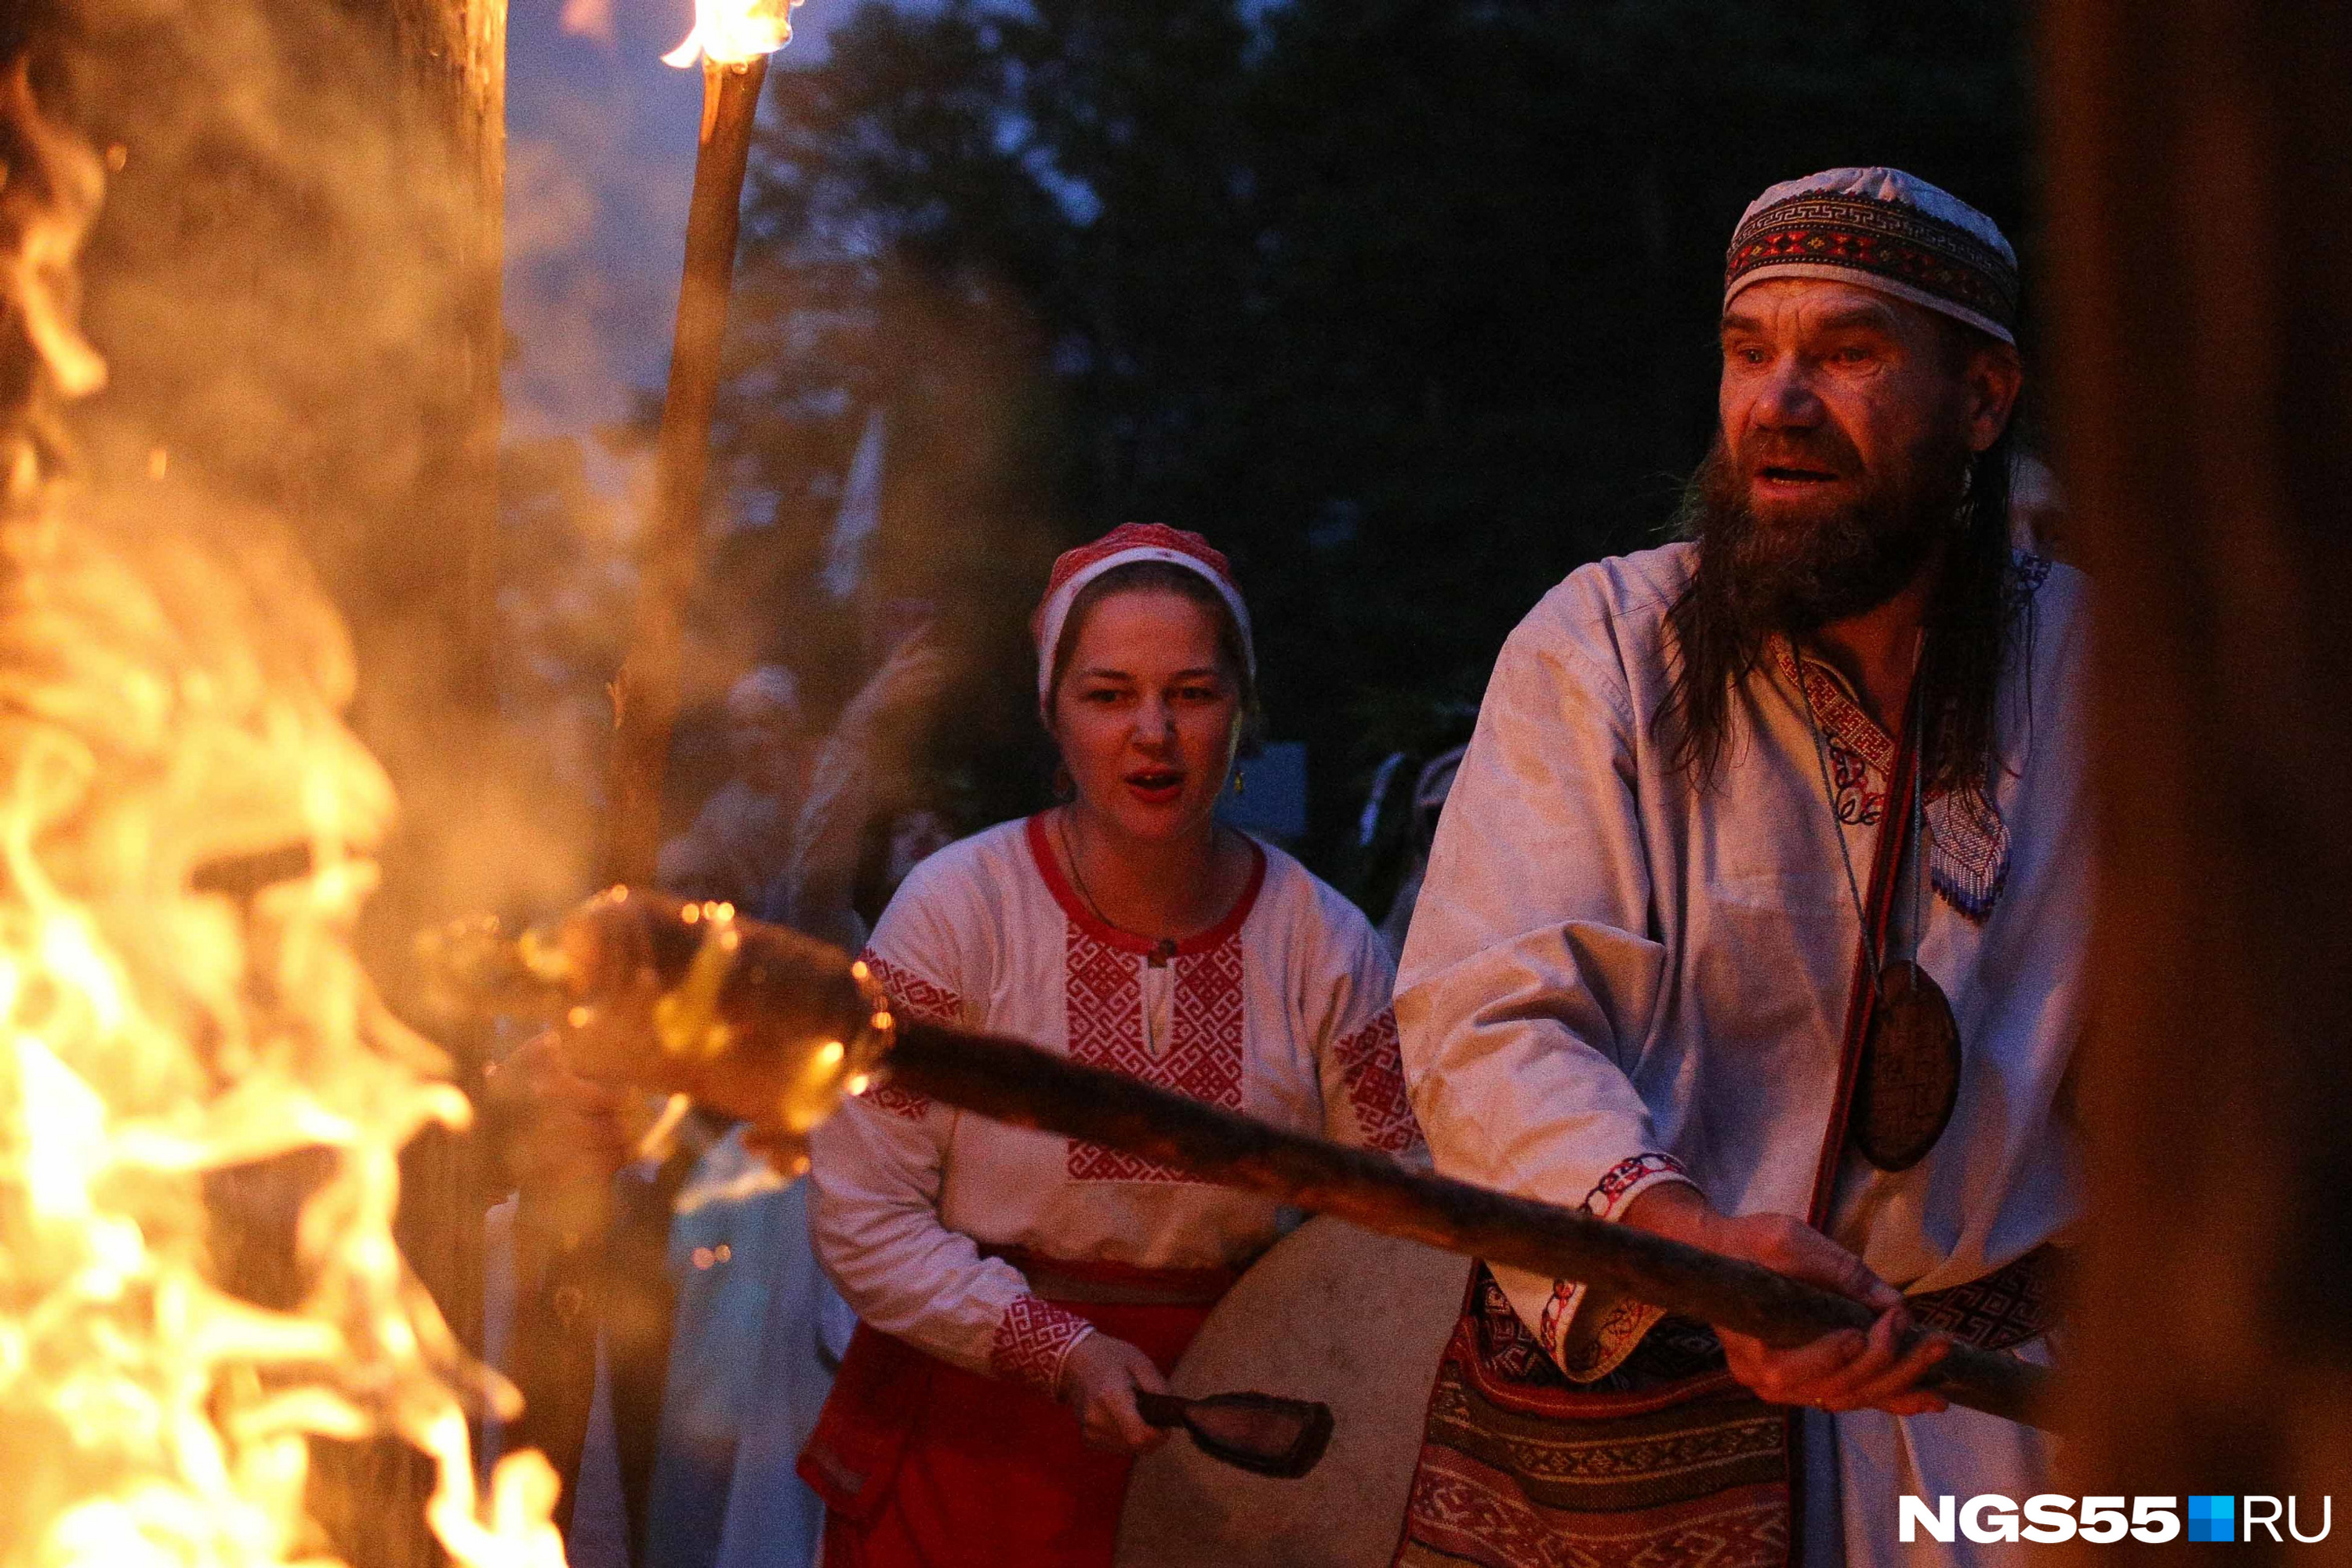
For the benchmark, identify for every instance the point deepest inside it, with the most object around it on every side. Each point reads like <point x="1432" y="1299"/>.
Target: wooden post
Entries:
<point x="454" y="54"/>
<point x="673" y="547"/>
<point x="2200" y="165"/>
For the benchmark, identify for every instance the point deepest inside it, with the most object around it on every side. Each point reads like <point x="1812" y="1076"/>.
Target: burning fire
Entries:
<point x="171" y="690"/>
<point x="735" y="32"/>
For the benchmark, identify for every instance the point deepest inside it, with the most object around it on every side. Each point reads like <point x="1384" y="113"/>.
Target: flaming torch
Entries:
<point x="776" y="1028"/>
<point x="732" y="38"/>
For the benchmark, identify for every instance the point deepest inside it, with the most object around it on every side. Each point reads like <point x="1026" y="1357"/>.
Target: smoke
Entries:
<point x="296" y="281"/>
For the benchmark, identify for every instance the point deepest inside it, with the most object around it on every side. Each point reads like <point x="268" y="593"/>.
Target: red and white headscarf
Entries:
<point x="1130" y="541"/>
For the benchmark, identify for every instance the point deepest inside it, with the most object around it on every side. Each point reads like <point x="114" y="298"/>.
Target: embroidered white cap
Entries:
<point x="1123" y="545"/>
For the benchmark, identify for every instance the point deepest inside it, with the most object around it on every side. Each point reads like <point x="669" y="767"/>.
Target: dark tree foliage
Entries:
<point x="1409" y="308"/>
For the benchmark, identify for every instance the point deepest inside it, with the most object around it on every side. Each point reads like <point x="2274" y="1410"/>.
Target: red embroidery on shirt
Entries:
<point x="1861" y="754"/>
<point x="1104" y="1003"/>
<point x="1206" y="1059"/>
<point x="1616" y="1184"/>
<point x="1609" y="1342"/>
<point x="1033" y="1340"/>
<point x="918" y="998"/>
<point x="1565" y="1294"/>
<point x="897" y="1101"/>
<point x="1969" y="841"/>
<point x="1622" y="1325"/>
<point x="1374" y="1063"/>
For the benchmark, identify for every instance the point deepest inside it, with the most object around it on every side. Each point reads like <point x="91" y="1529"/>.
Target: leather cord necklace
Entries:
<point x="1163" y="948"/>
<point x="1909" y="1080"/>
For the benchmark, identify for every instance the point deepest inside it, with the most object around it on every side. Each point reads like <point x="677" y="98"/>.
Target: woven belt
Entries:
<point x="2016" y="1302"/>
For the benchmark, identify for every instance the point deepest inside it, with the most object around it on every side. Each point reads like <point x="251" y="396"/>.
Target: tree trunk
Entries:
<point x="452" y="54"/>
<point x="2200" y="164"/>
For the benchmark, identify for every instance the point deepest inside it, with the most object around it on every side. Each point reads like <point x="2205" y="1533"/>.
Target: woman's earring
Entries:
<point x="1237" y="783"/>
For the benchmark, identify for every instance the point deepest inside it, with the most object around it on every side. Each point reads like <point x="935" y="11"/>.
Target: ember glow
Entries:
<point x="735" y="32"/>
<point x="185" y="1072"/>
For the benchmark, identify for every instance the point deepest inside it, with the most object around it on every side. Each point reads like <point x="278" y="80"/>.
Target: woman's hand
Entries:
<point x="1099" y="1380"/>
<point x="1848" y="1370"/>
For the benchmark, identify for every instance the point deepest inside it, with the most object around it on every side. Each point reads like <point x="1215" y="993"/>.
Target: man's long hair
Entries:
<point x="1969" y="622"/>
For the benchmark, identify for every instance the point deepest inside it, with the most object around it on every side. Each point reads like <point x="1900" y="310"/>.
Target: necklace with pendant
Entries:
<point x="1163" y="948"/>
<point x="1908" y="1081"/>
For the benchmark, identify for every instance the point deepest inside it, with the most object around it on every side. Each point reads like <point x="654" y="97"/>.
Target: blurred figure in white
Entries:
<point x="742" y="839"/>
<point x="715" y="1335"/>
<point x="865" y="764"/>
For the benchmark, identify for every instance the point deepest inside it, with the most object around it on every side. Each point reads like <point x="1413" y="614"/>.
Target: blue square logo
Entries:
<point x="2212" y="1518"/>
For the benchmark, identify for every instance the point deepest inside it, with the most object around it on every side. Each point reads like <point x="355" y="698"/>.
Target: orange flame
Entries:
<point x="735" y="32"/>
<point x="171" y="695"/>
<point x="47" y="209"/>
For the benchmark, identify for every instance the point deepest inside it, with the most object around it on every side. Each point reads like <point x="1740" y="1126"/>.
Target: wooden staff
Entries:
<point x="1016" y="1083"/>
<point x="764" y="1023"/>
<point x="646" y="697"/>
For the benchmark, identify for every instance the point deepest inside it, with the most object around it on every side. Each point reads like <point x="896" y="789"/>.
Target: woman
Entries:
<point x="1017" y="1289"/>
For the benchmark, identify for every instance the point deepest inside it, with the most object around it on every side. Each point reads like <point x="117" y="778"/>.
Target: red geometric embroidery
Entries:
<point x="1374" y="1066"/>
<point x="918" y="998"/>
<point x="1206" y="1061"/>
<point x="1033" y="1342"/>
<point x="914" y="995"/>
<point x="1887" y="238"/>
<point x="902" y="1102"/>
<point x="1619" y="1330"/>
<point x="1103" y="997"/>
<point x="1861" y="754"/>
<point x="1565" y="1294"/>
<point x="1600" y="1350"/>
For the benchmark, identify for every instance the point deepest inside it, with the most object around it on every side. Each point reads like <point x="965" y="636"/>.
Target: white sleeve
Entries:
<point x="1355" y="1035"/>
<point x="1530" y="976"/>
<point x="875" y="1173"/>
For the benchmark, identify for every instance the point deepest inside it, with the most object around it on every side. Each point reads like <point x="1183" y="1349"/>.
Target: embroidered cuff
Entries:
<point x="1034" y="1341"/>
<point x="1628" y="1179"/>
<point x="1587" y="1338"/>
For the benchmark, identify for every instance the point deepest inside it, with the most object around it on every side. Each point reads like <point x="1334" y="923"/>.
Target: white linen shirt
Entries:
<point x="1614" y="981"/>
<point x="1614" y="978"/>
<point x="1281" y="1013"/>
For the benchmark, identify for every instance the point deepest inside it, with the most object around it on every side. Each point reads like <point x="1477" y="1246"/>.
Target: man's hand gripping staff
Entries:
<point x="761" y="1023"/>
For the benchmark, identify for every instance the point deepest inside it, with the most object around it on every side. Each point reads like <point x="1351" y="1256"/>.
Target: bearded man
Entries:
<point x="1755" y="918"/>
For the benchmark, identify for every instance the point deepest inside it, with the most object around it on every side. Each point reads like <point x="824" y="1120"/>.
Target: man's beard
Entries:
<point x="1796" y="568"/>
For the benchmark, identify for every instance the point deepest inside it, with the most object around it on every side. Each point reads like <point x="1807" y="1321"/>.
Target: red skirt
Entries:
<point x="923" y="1465"/>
